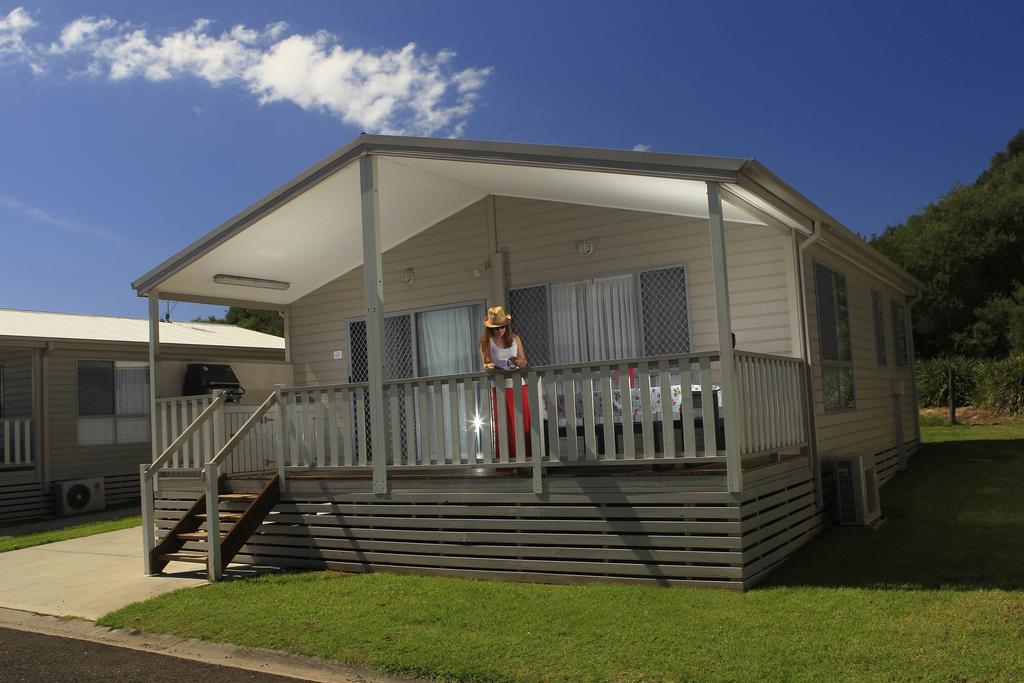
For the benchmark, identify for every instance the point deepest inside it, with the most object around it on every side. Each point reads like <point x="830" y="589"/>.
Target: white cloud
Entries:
<point x="45" y="218"/>
<point x="403" y="90"/>
<point x="641" y="148"/>
<point x="13" y="47"/>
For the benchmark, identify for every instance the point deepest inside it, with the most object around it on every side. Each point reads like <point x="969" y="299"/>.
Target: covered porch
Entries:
<point x="726" y="419"/>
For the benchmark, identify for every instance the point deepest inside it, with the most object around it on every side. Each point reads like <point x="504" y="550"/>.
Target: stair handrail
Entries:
<point x="211" y="478"/>
<point x="250" y="422"/>
<point x="209" y="412"/>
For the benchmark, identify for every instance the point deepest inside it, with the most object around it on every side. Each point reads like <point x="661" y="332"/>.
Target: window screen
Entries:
<point x="665" y="314"/>
<point x="529" y="309"/>
<point x="825" y="295"/>
<point x="878" y="314"/>
<point x="899" y="333"/>
<point x="834" y="338"/>
<point x="95" y="387"/>
<point x="113" y="402"/>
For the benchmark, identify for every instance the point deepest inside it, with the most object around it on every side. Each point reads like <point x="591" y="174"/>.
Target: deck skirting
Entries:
<point x="667" y="530"/>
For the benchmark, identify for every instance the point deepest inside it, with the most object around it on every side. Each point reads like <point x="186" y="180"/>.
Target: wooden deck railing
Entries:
<point x="569" y="414"/>
<point x="771" y="403"/>
<point x="662" y="409"/>
<point x="16" y="442"/>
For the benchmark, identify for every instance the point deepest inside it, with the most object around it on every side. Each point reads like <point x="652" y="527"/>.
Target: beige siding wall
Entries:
<point x="17" y="383"/>
<point x="869" y="428"/>
<point x="539" y="241"/>
<point x="258" y="378"/>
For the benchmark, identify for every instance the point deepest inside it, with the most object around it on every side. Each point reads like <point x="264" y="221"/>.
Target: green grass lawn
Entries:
<point x="936" y="594"/>
<point x="12" y="542"/>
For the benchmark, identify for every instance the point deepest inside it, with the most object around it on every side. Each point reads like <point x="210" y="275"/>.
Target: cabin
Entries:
<point x="75" y="400"/>
<point x="704" y="344"/>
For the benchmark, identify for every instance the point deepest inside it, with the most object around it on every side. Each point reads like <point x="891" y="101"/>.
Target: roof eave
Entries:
<point x="722" y="169"/>
<point x="759" y="174"/>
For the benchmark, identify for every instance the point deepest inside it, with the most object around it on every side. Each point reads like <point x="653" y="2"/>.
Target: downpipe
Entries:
<point x="812" y="436"/>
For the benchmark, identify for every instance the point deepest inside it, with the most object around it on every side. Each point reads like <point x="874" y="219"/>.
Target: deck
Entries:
<point x="604" y="482"/>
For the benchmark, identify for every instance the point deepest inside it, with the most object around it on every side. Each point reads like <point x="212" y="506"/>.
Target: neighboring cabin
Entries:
<point x="74" y="396"/>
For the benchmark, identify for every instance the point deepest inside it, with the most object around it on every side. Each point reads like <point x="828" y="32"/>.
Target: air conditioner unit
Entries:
<point x="80" y="495"/>
<point x="857" y="492"/>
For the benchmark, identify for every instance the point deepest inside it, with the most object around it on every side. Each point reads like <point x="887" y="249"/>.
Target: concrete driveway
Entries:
<point x="87" y="577"/>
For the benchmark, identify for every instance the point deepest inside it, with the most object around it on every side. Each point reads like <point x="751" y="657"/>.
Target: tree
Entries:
<point x="269" y="322"/>
<point x="968" y="248"/>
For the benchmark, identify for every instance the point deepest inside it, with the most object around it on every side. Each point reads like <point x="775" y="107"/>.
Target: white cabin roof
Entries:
<point x="308" y="231"/>
<point x="45" y="325"/>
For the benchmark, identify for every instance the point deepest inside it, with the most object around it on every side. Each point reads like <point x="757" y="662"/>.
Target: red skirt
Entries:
<point x="510" y="416"/>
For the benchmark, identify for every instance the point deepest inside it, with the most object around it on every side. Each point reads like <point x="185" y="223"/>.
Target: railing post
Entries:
<point x="146" y="490"/>
<point x="218" y="419"/>
<point x="730" y="402"/>
<point x="154" y="371"/>
<point x="213" y="568"/>
<point x="281" y="451"/>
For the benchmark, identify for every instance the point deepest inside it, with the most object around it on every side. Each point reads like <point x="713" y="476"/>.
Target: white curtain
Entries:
<point x="447" y="345"/>
<point x="447" y="340"/>
<point x="595" y="320"/>
<point x="131" y="382"/>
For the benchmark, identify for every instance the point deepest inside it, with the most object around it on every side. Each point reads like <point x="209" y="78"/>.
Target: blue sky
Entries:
<point x="128" y="130"/>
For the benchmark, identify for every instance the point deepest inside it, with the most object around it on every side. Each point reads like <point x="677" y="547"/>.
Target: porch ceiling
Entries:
<point x="314" y="235"/>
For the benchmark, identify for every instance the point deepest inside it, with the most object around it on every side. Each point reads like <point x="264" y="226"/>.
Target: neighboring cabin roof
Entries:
<point x="44" y="325"/>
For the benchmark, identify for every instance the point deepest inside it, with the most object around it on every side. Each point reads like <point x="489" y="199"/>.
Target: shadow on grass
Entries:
<point x="955" y="520"/>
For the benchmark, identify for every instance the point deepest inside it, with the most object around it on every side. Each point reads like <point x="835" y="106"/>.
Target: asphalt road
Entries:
<point x="34" y="657"/>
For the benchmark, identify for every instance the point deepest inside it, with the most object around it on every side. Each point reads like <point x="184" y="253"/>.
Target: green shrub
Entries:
<point x="933" y="380"/>
<point x="1000" y="386"/>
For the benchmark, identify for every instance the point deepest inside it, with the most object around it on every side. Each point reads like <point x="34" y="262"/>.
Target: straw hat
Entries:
<point x="497" y="317"/>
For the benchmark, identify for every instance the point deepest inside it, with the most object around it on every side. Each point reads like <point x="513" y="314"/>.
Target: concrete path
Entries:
<point x="86" y="577"/>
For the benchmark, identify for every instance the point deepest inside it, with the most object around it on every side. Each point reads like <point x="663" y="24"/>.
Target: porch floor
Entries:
<point x="515" y="470"/>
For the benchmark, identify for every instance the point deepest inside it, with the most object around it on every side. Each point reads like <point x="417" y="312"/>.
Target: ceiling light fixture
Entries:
<point x="246" y="281"/>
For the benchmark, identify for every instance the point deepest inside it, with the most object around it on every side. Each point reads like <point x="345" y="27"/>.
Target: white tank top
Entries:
<point x="500" y="356"/>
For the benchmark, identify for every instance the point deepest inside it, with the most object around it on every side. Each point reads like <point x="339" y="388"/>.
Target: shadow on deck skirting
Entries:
<point x="669" y="527"/>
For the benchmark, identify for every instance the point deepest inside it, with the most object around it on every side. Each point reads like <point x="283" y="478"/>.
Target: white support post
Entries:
<point x="730" y="402"/>
<point x="154" y="360"/>
<point x="495" y="257"/>
<point x="373" y="287"/>
<point x="282" y="434"/>
<point x="146" y="488"/>
<point x="213" y="568"/>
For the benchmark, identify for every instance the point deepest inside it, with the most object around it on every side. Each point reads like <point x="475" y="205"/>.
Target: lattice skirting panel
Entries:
<point x="658" y="530"/>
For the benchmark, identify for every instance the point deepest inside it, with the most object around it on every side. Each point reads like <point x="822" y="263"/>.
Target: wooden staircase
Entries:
<point x="189" y="527"/>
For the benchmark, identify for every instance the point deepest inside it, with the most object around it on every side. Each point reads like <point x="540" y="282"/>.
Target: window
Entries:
<point x="429" y="342"/>
<point x="834" y="338"/>
<point x="1" y="390"/>
<point x="113" y="402"/>
<point x="605" y="318"/>
<point x="899" y="333"/>
<point x="879" y="316"/>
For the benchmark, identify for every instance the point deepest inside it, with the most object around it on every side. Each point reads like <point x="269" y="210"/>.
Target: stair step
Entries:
<point x="224" y="516"/>
<point x="196" y="556"/>
<point x="196" y="536"/>
<point x="238" y="496"/>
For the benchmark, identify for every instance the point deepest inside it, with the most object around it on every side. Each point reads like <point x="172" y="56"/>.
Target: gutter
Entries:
<point x="812" y="434"/>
